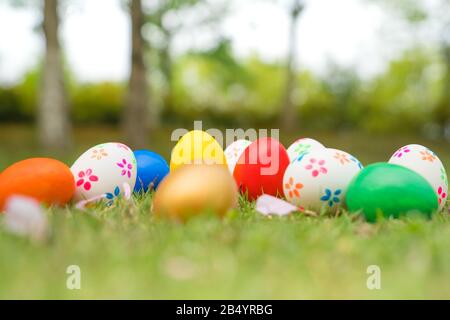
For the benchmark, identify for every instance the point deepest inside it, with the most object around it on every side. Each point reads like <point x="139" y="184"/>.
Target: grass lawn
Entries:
<point x="123" y="252"/>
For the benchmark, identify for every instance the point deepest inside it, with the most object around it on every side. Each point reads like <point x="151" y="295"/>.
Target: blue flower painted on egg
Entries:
<point x="331" y="197"/>
<point x="112" y="195"/>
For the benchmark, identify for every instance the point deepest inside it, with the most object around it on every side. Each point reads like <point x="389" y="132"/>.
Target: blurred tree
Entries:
<point x="10" y="105"/>
<point x="135" y="117"/>
<point x="433" y="18"/>
<point x="402" y="98"/>
<point x="165" y="20"/>
<point x="53" y="116"/>
<point x="343" y="83"/>
<point x="442" y="114"/>
<point x="210" y="81"/>
<point x="288" y="113"/>
<point x="214" y="84"/>
<point x="156" y="23"/>
<point x="54" y="128"/>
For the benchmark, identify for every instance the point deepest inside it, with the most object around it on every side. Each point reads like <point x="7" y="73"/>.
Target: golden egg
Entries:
<point x="195" y="189"/>
<point x="197" y="147"/>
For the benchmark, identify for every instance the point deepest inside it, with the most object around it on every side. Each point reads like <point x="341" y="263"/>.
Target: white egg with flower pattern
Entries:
<point x="104" y="169"/>
<point x="426" y="163"/>
<point x="233" y="152"/>
<point x="320" y="179"/>
<point x="303" y="146"/>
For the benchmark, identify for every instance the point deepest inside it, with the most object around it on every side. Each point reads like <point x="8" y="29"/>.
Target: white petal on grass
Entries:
<point x="269" y="205"/>
<point x="82" y="205"/>
<point x="25" y="217"/>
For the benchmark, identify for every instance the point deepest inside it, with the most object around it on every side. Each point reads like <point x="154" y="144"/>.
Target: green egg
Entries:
<point x="391" y="191"/>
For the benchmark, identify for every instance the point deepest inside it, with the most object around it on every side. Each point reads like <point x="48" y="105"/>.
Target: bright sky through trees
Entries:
<point x="95" y="36"/>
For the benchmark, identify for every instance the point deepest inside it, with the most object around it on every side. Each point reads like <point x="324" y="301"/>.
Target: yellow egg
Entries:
<point x="197" y="147"/>
<point x="195" y="189"/>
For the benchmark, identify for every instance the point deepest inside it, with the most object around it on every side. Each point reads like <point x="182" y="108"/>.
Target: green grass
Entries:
<point x="124" y="252"/>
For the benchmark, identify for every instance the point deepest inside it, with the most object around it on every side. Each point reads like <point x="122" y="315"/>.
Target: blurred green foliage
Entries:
<point x="213" y="85"/>
<point x="97" y="102"/>
<point x="406" y="97"/>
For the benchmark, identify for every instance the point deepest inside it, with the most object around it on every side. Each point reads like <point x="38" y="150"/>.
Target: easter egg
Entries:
<point x="426" y="163"/>
<point x="234" y="151"/>
<point x="320" y="180"/>
<point x="303" y="146"/>
<point x="46" y="180"/>
<point x="261" y="167"/>
<point x="195" y="189"/>
<point x="104" y="169"/>
<point x="151" y="169"/>
<point x="197" y="147"/>
<point x="390" y="190"/>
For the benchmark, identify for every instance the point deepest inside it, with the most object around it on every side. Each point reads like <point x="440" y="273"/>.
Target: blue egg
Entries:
<point x="151" y="169"/>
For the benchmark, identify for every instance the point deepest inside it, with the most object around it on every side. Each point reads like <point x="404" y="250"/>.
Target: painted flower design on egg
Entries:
<point x="301" y="157"/>
<point x="293" y="189"/>
<point x="427" y="155"/>
<point x="302" y="148"/>
<point x="402" y="151"/>
<point x="358" y="163"/>
<point x="86" y="178"/>
<point x="99" y="154"/>
<point x="122" y="146"/>
<point x="442" y="195"/>
<point x="316" y="167"/>
<point x="126" y="168"/>
<point x="112" y="195"/>
<point x="444" y="176"/>
<point x="341" y="157"/>
<point x="331" y="197"/>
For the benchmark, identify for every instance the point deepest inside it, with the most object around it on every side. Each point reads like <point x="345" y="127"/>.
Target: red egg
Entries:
<point x="261" y="167"/>
<point x="48" y="181"/>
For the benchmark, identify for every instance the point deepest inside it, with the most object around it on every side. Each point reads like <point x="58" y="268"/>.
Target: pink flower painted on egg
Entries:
<point x="86" y="178"/>
<point x="126" y="168"/>
<point x="400" y="152"/>
<point x="316" y="167"/>
<point x="441" y="195"/>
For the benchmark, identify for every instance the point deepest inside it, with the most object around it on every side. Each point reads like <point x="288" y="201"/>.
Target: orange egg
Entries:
<point x="47" y="180"/>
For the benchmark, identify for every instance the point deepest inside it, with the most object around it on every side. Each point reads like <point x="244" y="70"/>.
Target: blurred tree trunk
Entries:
<point x="166" y="68"/>
<point x="288" y="112"/>
<point x="135" y="118"/>
<point x="53" y="116"/>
